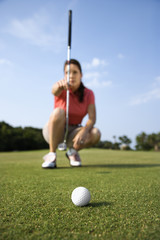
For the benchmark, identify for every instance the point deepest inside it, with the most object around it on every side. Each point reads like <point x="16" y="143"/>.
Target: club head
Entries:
<point x="62" y="147"/>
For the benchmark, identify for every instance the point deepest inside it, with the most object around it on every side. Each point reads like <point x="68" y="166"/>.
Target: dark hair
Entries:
<point x="80" y="90"/>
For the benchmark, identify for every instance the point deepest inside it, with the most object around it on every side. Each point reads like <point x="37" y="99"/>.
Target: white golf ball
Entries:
<point x="81" y="196"/>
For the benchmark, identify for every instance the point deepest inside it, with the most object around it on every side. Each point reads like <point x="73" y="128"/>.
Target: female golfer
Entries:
<point x="81" y="102"/>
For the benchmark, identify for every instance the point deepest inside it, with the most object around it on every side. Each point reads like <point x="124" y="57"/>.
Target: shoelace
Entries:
<point x="77" y="158"/>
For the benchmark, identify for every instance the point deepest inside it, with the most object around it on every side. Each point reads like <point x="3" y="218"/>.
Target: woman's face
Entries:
<point x="75" y="76"/>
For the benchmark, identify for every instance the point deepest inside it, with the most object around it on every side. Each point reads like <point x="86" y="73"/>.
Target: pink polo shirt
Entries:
<point x="77" y="110"/>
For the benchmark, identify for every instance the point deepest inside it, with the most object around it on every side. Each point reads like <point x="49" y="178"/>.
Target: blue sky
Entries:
<point x="117" y="43"/>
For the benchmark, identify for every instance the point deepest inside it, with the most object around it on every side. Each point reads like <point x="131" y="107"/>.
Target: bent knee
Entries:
<point x="96" y="135"/>
<point x="58" y="115"/>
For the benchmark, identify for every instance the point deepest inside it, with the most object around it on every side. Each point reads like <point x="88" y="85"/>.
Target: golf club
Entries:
<point x="63" y="146"/>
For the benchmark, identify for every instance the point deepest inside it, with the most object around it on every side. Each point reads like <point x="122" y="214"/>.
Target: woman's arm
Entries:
<point x="59" y="86"/>
<point x="91" y="117"/>
<point x="82" y="135"/>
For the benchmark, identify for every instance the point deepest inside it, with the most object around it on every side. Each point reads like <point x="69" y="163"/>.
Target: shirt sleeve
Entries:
<point x="60" y="101"/>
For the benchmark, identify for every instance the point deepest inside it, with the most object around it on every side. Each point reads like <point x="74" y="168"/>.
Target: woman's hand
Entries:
<point x="81" y="137"/>
<point x="59" y="86"/>
<point x="62" y="84"/>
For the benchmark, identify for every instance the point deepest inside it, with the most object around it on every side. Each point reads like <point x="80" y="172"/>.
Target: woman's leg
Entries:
<point x="54" y="130"/>
<point x="92" y="138"/>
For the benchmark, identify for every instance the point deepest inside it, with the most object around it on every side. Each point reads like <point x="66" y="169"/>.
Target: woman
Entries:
<point x="81" y="102"/>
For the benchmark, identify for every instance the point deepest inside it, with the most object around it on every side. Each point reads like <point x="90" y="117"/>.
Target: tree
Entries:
<point x="116" y="144"/>
<point x="142" y="142"/>
<point x="125" y="141"/>
<point x="20" y="138"/>
<point x="104" y="145"/>
<point x="154" y="141"/>
<point x="107" y="145"/>
<point x="5" y="136"/>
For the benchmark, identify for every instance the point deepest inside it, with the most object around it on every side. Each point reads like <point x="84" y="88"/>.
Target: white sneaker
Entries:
<point x="74" y="158"/>
<point x="49" y="160"/>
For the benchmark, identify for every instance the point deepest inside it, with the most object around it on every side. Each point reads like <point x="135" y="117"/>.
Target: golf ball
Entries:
<point x="80" y="196"/>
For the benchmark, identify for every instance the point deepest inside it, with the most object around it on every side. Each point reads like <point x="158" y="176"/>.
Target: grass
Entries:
<point x="125" y="193"/>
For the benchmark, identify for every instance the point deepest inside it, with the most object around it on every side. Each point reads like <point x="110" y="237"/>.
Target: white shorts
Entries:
<point x="72" y="132"/>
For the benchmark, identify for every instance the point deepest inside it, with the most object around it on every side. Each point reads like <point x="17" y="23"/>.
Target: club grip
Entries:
<point x="70" y="28"/>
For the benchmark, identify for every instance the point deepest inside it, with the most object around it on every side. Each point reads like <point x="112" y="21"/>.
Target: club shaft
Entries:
<point x="67" y="95"/>
<point x="68" y="75"/>
<point x="70" y="28"/>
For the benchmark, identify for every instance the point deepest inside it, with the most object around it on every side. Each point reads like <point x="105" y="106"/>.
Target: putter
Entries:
<point x="63" y="146"/>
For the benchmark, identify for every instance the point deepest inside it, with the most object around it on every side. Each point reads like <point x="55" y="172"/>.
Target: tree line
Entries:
<point x="144" y="142"/>
<point x="18" y="138"/>
<point x="29" y="138"/>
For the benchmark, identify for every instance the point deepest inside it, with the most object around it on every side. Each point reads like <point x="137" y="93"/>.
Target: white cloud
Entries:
<point x="96" y="62"/>
<point x="148" y="96"/>
<point x="120" y="56"/>
<point x="37" y="30"/>
<point x="95" y="73"/>
<point x="4" y="61"/>
<point x="97" y="83"/>
<point x="89" y="75"/>
<point x="2" y="45"/>
<point x="157" y="79"/>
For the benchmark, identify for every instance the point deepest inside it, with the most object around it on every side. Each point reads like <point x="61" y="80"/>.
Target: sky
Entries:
<point x="117" y="43"/>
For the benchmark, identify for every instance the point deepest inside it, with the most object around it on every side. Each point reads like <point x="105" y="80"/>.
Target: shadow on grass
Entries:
<point x="108" y="166"/>
<point x="103" y="172"/>
<point x="122" y="166"/>
<point x="99" y="204"/>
